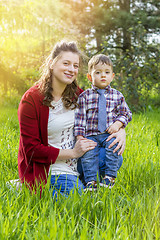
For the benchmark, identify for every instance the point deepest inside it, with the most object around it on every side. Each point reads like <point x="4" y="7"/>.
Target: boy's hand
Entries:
<point x="79" y="137"/>
<point x="114" y="127"/>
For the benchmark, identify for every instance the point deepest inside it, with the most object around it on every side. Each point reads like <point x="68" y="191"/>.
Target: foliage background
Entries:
<point x="127" y="30"/>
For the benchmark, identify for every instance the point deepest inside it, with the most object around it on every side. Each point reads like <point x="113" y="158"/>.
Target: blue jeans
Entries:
<point x="65" y="183"/>
<point x="91" y="161"/>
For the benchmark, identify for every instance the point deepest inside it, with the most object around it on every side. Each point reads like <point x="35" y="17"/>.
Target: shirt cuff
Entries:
<point x="79" y="131"/>
<point x="123" y="120"/>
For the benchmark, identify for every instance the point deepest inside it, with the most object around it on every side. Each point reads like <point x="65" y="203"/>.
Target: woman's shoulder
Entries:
<point x="33" y="93"/>
<point x="79" y="91"/>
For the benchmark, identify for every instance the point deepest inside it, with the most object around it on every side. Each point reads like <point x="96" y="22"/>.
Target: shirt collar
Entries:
<point x="108" y="88"/>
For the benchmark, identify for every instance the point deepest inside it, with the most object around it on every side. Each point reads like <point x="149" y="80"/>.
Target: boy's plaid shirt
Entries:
<point x="86" y="115"/>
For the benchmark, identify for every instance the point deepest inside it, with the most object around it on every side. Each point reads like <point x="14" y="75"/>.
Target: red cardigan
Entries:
<point x="34" y="155"/>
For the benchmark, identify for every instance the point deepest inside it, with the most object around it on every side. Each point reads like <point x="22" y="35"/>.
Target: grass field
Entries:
<point x="131" y="210"/>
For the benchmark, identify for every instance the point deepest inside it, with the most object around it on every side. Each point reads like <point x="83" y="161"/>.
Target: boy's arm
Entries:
<point x="79" y="137"/>
<point x="124" y="114"/>
<point x="80" y="118"/>
<point x="114" y="127"/>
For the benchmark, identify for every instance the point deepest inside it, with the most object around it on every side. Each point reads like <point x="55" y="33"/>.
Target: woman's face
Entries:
<point x="65" y="69"/>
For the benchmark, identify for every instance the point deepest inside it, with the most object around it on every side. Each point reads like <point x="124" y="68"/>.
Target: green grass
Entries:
<point x="131" y="210"/>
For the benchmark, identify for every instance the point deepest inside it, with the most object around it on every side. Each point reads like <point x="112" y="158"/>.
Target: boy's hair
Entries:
<point x="97" y="59"/>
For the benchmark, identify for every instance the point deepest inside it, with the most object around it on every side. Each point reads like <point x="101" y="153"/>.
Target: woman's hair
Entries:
<point x="69" y="96"/>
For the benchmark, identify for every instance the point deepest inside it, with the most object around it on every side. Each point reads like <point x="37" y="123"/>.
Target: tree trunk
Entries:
<point x="125" y="6"/>
<point x="98" y="40"/>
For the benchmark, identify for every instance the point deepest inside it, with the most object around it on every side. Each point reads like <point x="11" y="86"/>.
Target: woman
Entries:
<point x="46" y="119"/>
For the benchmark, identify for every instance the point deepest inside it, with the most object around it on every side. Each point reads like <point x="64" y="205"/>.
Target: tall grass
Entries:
<point x="131" y="210"/>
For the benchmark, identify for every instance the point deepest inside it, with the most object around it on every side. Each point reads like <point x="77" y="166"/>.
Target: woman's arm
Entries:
<point x="120" y="139"/>
<point x="82" y="145"/>
<point x="32" y="146"/>
<point x="31" y="141"/>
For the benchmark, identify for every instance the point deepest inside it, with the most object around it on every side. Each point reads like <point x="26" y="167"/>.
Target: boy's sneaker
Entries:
<point x="91" y="186"/>
<point x="108" y="182"/>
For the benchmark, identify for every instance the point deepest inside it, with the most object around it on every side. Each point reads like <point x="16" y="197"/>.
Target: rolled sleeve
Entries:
<point x="125" y="115"/>
<point x="123" y="120"/>
<point x="80" y="117"/>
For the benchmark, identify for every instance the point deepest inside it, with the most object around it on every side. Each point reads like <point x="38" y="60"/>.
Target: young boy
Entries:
<point x="102" y="111"/>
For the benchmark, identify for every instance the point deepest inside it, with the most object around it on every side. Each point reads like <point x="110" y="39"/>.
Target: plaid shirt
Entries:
<point x="86" y="115"/>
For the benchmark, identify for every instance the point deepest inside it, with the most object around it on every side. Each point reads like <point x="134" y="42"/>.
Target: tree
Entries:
<point x="123" y="29"/>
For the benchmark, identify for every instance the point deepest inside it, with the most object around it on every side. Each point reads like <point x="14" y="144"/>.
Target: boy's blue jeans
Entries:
<point x="91" y="161"/>
<point x="67" y="183"/>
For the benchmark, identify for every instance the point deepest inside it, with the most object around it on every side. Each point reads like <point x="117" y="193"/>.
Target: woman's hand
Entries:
<point x="83" y="145"/>
<point x="120" y="139"/>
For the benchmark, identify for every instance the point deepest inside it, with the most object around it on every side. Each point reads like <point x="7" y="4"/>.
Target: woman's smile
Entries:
<point x="65" y="70"/>
<point x="69" y="75"/>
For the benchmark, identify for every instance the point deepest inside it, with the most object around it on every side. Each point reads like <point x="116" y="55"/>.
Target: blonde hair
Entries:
<point x="99" y="58"/>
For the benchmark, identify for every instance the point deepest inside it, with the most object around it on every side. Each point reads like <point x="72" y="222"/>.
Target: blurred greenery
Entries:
<point x="126" y="30"/>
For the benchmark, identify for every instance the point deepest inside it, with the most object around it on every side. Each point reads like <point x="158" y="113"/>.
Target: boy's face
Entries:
<point x="101" y="75"/>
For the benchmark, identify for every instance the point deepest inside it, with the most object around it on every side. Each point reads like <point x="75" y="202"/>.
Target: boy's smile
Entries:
<point x="101" y="75"/>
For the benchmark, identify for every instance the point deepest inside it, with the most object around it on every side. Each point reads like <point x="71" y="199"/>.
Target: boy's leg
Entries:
<point x="102" y="162"/>
<point x="80" y="170"/>
<point x="120" y="162"/>
<point x="112" y="160"/>
<point x="90" y="163"/>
